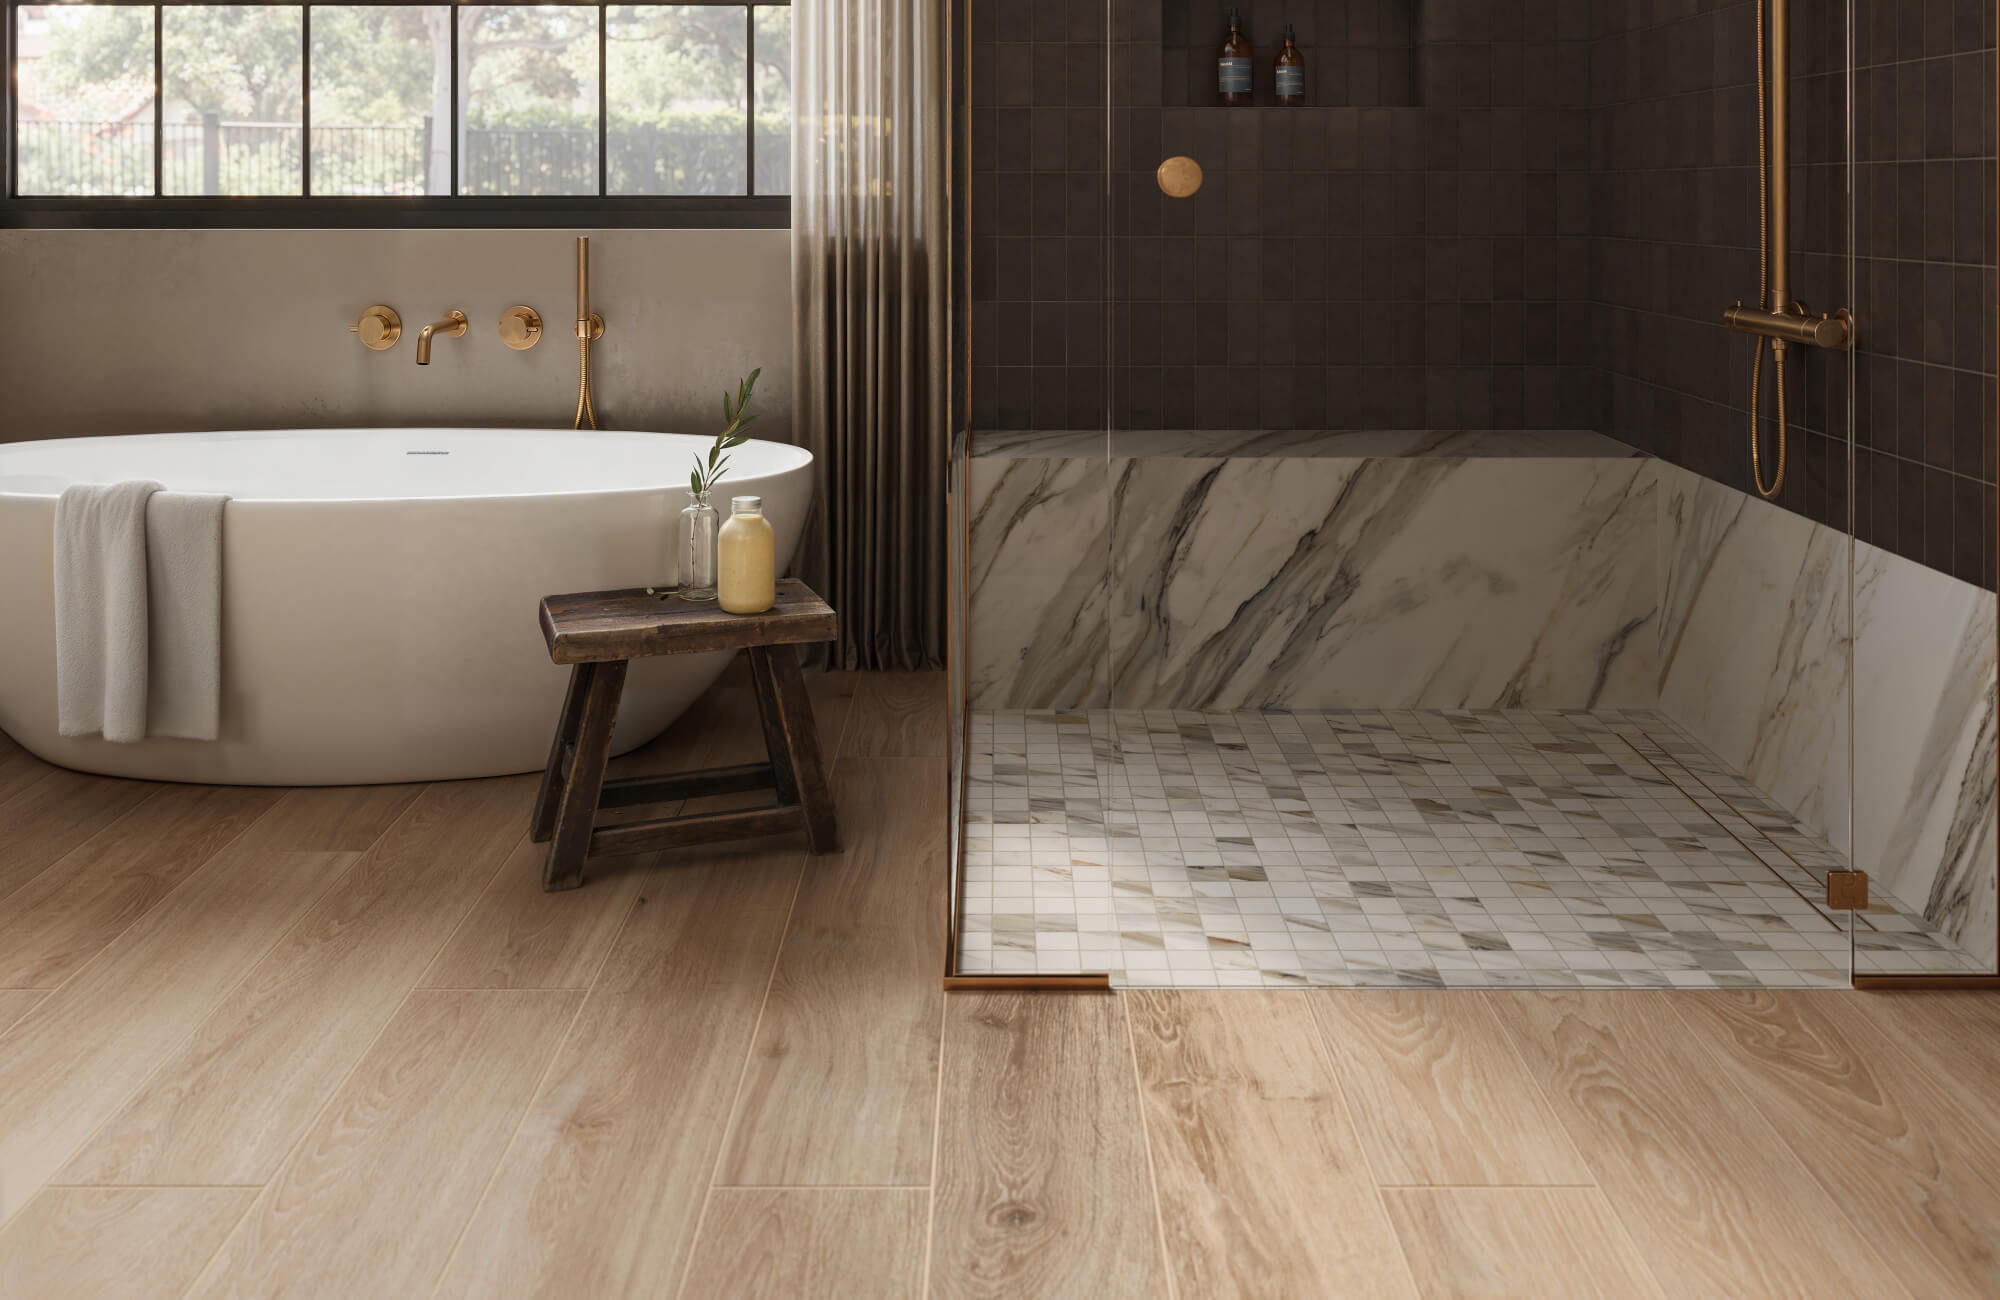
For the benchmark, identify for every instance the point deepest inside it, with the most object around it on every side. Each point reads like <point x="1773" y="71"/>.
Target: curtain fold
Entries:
<point x="870" y="267"/>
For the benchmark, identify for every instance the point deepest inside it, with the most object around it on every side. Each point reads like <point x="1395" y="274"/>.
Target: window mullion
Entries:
<point x="451" y="22"/>
<point x="159" y="99"/>
<point x="306" y="101"/>
<point x="603" y="113"/>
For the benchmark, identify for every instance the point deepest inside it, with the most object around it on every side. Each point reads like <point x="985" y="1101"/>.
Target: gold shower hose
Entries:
<point x="1764" y="289"/>
<point x="584" y="410"/>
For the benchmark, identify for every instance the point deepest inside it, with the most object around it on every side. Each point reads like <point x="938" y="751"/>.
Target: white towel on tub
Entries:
<point x="138" y="588"/>
<point x="184" y="604"/>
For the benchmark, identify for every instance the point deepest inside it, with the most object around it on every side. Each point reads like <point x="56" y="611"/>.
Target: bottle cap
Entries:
<point x="746" y="505"/>
<point x="1290" y="35"/>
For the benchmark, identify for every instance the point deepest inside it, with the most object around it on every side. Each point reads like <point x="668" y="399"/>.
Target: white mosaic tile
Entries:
<point x="1405" y="848"/>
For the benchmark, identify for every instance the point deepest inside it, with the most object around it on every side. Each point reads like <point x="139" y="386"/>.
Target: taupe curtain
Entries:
<point x="869" y="272"/>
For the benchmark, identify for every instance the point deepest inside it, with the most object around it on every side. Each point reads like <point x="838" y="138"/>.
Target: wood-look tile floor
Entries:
<point x="338" y="1043"/>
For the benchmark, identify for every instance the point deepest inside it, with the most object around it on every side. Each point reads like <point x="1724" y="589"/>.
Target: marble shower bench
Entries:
<point x="1311" y="570"/>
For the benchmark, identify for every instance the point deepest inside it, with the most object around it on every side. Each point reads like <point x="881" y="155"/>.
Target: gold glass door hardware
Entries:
<point x="452" y="326"/>
<point x="1847" y="891"/>
<point x="379" y="328"/>
<point x="520" y="328"/>
<point x="1179" y="176"/>
<point x="1798" y="325"/>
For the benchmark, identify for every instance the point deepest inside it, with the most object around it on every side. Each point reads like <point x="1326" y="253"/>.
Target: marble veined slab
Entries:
<point x="1754" y="639"/>
<point x="1759" y="656"/>
<point x="1039" y="558"/>
<point x="1384" y="582"/>
<point x="1924" y="729"/>
<point x="1305" y="443"/>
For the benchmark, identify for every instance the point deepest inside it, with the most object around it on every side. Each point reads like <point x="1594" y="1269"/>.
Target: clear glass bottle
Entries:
<point x="699" y="524"/>
<point x="749" y="570"/>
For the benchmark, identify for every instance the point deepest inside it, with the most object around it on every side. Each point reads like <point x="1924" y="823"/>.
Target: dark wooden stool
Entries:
<point x="601" y="632"/>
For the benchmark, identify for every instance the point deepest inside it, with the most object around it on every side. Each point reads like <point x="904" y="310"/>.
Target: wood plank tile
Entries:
<point x="332" y="819"/>
<point x="1952" y="1037"/>
<point x="852" y="1023"/>
<point x="1042" y="1181"/>
<point x="1438" y="1094"/>
<point x="600" y="1193"/>
<point x="65" y="915"/>
<point x="372" y="1200"/>
<point x="117" y="1243"/>
<point x="18" y="768"/>
<point x="234" y="1098"/>
<point x="1254" y="1154"/>
<point x="15" y="1003"/>
<point x="67" y="1065"/>
<point x="1488" y="1243"/>
<point x="519" y="937"/>
<point x="1899" y="1152"/>
<point x="897" y="715"/>
<point x="55" y="814"/>
<point x="821" y="1242"/>
<point x="1715" y="1201"/>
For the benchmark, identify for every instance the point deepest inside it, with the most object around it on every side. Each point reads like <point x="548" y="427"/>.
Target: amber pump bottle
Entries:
<point x="1291" y="68"/>
<point x="1233" y="85"/>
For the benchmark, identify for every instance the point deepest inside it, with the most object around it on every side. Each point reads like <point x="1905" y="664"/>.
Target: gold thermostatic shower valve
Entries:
<point x="520" y="328"/>
<point x="379" y="328"/>
<point x="1798" y="325"/>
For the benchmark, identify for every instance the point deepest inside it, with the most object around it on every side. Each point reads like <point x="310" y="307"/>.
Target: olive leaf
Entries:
<point x="706" y="476"/>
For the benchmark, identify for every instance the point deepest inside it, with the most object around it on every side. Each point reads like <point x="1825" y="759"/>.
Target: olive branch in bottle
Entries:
<point x="706" y="476"/>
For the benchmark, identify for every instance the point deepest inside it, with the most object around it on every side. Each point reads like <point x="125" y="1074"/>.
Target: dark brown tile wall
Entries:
<point x="1676" y="236"/>
<point x="1544" y="234"/>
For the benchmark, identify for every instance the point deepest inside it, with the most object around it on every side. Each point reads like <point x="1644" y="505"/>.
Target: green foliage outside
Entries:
<point x="528" y="99"/>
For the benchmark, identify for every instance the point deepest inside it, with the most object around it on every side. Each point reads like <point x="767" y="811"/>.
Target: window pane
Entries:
<point x="381" y="99"/>
<point x="86" y="99"/>
<point x="774" y="99"/>
<point x="676" y="79"/>
<point x="232" y="99"/>
<point x="528" y="75"/>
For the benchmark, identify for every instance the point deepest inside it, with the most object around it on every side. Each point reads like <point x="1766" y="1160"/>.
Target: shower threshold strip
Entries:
<point x="1408" y="848"/>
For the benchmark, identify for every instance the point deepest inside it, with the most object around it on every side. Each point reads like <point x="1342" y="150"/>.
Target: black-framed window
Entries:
<point x="394" y="112"/>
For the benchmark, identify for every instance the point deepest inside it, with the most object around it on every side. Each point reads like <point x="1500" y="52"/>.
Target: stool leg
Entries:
<point x="549" y="797"/>
<point x="563" y="868"/>
<point x="796" y="745"/>
<point x="765" y="692"/>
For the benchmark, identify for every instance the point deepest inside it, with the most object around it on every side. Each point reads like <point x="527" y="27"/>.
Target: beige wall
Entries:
<point x="135" y="331"/>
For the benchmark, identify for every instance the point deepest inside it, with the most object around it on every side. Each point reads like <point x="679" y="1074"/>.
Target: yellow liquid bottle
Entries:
<point x="747" y="555"/>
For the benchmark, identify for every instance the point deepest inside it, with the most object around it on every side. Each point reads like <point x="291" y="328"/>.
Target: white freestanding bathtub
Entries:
<point x="380" y="590"/>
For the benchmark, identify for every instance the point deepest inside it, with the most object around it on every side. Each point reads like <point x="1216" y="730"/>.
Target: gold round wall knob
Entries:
<point x="1179" y="176"/>
<point x="378" y="328"/>
<point x="520" y="328"/>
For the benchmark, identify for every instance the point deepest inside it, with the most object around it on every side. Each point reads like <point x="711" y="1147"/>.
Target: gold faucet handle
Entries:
<point x="378" y="328"/>
<point x="520" y="327"/>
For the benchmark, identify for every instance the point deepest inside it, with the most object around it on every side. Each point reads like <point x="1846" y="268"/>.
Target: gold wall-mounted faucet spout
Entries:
<point x="453" y="325"/>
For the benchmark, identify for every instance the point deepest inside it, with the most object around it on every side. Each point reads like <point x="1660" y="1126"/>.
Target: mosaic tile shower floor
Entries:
<point x="1431" y="849"/>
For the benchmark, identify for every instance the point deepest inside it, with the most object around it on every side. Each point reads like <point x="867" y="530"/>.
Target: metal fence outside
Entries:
<point x="216" y="157"/>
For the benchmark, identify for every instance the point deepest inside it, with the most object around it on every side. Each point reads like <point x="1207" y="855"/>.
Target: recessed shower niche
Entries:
<point x="1358" y="53"/>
